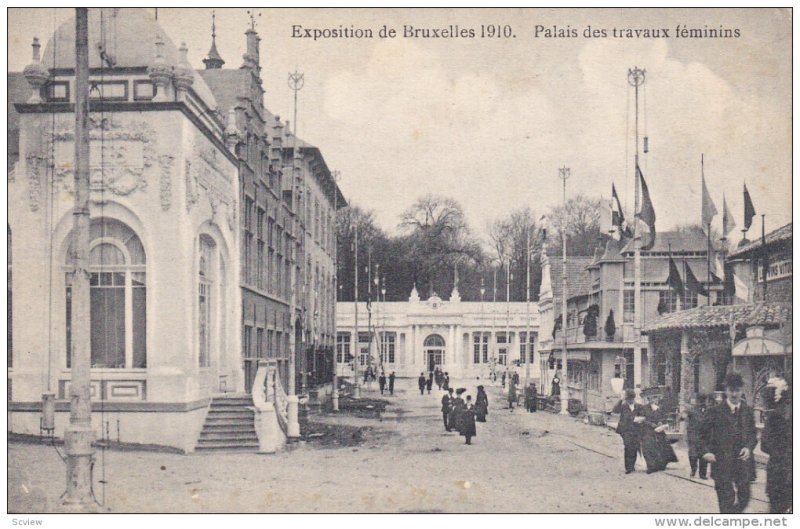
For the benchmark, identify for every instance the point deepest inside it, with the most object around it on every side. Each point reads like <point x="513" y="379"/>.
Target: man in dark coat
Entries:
<point x="631" y="415"/>
<point x="382" y="382"/>
<point x="776" y="440"/>
<point x="728" y="437"/>
<point x="421" y="383"/>
<point x="446" y="406"/>
<point x="429" y="382"/>
<point x="391" y="383"/>
<point x="456" y="409"/>
<point x="468" y="421"/>
<point x="694" y="418"/>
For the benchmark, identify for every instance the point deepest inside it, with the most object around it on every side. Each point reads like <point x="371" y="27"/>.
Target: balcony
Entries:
<point x="575" y="335"/>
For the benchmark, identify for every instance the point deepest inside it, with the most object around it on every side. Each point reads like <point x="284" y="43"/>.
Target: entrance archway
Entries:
<point x="433" y="350"/>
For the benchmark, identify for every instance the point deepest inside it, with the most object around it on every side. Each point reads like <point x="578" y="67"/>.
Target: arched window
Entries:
<point x="118" y="297"/>
<point x="206" y="283"/>
<point x="434" y="340"/>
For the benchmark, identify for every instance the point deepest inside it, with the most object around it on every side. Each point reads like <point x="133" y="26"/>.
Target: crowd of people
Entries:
<point x="460" y="413"/>
<point x="721" y="435"/>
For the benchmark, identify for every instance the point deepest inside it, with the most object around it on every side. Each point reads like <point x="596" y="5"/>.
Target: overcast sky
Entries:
<point x="490" y="121"/>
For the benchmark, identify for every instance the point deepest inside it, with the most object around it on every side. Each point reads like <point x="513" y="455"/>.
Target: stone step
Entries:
<point x="225" y="403"/>
<point x="218" y="426"/>
<point x="230" y="414"/>
<point x="225" y="446"/>
<point x="234" y="437"/>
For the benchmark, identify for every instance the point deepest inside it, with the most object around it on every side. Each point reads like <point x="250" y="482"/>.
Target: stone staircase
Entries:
<point x="229" y="425"/>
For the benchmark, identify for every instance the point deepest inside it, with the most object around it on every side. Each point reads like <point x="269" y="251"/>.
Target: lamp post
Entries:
<point x="636" y="78"/>
<point x="493" y="359"/>
<point x="563" y="174"/>
<point x="528" y="308"/>
<point x="336" y="289"/>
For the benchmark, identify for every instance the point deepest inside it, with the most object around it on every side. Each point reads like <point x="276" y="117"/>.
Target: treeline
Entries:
<point x="434" y="241"/>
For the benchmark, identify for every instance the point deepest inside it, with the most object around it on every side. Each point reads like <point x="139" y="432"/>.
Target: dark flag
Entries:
<point x="692" y="284"/>
<point x="749" y="210"/>
<point x="646" y="212"/>
<point x="557" y="326"/>
<point x="618" y="217"/>
<point x="674" y="279"/>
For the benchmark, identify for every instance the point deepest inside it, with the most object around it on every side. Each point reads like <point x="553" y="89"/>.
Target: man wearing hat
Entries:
<point x="631" y="417"/>
<point x="727" y="438"/>
<point x="447" y="399"/>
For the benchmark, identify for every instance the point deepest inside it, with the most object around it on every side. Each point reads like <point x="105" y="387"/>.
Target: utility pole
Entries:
<point x="508" y="314"/>
<point x="528" y="343"/>
<point x="563" y="174"/>
<point x="78" y="435"/>
<point x="335" y="390"/>
<point x="356" y="341"/>
<point x="493" y="360"/>
<point x="636" y="78"/>
<point x="482" y="337"/>
<point x="293" y="429"/>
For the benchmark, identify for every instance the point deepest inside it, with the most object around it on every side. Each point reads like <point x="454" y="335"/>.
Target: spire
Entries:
<point x="251" y="58"/>
<point x="213" y="61"/>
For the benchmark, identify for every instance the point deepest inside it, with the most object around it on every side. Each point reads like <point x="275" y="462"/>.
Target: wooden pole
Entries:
<point x="78" y="435"/>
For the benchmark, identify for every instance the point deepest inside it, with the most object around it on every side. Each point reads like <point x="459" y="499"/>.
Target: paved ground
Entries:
<point x="519" y="462"/>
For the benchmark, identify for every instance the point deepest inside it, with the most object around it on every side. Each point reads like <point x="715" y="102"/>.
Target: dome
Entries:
<point x="130" y="36"/>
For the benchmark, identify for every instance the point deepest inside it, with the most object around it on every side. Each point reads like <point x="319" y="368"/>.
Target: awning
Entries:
<point x="760" y="346"/>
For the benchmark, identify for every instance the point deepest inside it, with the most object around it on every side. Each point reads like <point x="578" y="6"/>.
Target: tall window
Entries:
<point x="116" y="289"/>
<point x="363" y="348"/>
<point x="668" y="300"/>
<point x="388" y="340"/>
<point x="343" y="347"/>
<point x="476" y="348"/>
<point x="206" y="283"/>
<point x="628" y="302"/>
<point x="502" y="349"/>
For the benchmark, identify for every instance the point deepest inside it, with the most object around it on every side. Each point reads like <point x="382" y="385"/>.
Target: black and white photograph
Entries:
<point x="400" y="261"/>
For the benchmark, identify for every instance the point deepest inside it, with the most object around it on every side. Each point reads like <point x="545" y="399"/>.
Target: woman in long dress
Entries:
<point x="656" y="449"/>
<point x="454" y="421"/>
<point x="481" y="405"/>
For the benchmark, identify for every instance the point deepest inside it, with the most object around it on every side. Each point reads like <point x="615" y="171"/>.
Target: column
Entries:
<point x="451" y="349"/>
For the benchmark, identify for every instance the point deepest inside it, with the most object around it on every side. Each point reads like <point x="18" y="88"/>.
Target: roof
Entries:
<point x="227" y="85"/>
<point x="749" y="314"/>
<point x="612" y="252"/>
<point x="689" y="240"/>
<point x="130" y="36"/>
<point x="577" y="278"/>
<point x="784" y="233"/>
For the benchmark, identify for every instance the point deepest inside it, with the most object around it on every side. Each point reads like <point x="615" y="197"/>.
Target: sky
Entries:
<point x="490" y="121"/>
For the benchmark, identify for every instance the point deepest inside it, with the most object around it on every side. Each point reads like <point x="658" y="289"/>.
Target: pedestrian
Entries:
<point x="391" y="383"/>
<point x="494" y="377"/>
<point x="481" y="405"/>
<point x="503" y="379"/>
<point x="776" y="441"/>
<point x="512" y="394"/>
<point x="456" y="409"/>
<point x="438" y="377"/>
<point x="656" y="450"/>
<point x="468" y="421"/>
<point x="631" y="416"/>
<point x="446" y="405"/>
<point x="446" y="381"/>
<point x="421" y="382"/>
<point x="515" y="378"/>
<point x="429" y="382"/>
<point x="382" y="382"/>
<point x="367" y="374"/>
<point x="694" y="418"/>
<point x="530" y="397"/>
<point x="555" y="386"/>
<point x="728" y="437"/>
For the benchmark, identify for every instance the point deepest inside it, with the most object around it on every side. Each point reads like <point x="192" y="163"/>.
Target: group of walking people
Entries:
<point x="437" y="376"/>
<point x="721" y="435"/>
<point x="382" y="382"/>
<point x="460" y="413"/>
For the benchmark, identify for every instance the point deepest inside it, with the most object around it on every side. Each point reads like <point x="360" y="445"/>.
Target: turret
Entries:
<point x="213" y="61"/>
<point x="35" y="73"/>
<point x="160" y="72"/>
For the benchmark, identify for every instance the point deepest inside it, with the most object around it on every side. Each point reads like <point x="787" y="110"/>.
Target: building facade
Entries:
<point x="211" y="235"/>
<point x="164" y="206"/>
<point x="599" y="327"/>
<point x="466" y="339"/>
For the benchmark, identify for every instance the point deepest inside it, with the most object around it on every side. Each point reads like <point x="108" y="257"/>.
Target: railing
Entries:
<point x="280" y="401"/>
<point x="624" y="333"/>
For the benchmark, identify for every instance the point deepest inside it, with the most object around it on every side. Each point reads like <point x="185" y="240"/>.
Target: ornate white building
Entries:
<point x="465" y="339"/>
<point x="165" y="332"/>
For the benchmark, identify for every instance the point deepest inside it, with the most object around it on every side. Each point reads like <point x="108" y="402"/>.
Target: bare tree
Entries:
<point x="580" y="217"/>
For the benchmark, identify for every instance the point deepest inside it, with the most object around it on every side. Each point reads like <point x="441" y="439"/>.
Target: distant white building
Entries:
<point x="466" y="339"/>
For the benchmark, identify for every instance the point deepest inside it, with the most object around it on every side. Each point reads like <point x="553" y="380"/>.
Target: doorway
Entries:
<point x="434" y="349"/>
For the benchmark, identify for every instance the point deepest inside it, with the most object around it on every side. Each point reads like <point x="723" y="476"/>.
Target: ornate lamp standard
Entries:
<point x="563" y="174"/>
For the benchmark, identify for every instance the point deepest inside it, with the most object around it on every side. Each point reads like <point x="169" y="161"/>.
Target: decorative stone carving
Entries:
<point x="165" y="162"/>
<point x="203" y="171"/>
<point x="192" y="193"/>
<point x="34" y="164"/>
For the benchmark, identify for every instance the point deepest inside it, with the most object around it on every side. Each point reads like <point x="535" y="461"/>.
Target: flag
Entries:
<point x="720" y="272"/>
<point x="692" y="284"/>
<point x="709" y="209"/>
<point x="740" y="288"/>
<point x="728" y="222"/>
<point x="674" y="279"/>
<point x="618" y="218"/>
<point x="646" y="212"/>
<point x="749" y="210"/>
<point x="557" y="325"/>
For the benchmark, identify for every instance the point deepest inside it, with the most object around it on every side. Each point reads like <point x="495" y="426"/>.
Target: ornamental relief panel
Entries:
<point x="202" y="172"/>
<point x="122" y="158"/>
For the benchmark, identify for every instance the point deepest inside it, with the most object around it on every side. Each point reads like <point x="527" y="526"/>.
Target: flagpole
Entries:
<point x="356" y="342"/>
<point x="636" y="78"/>
<point x="764" y="257"/>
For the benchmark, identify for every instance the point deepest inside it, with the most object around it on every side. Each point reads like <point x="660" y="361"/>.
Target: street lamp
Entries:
<point x="563" y="174"/>
<point x="480" y="327"/>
